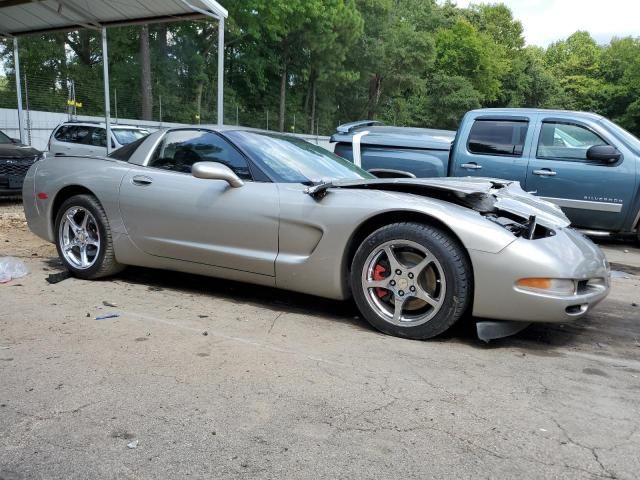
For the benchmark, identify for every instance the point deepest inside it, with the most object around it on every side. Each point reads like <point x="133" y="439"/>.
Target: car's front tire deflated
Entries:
<point x="83" y="238"/>
<point x="411" y="280"/>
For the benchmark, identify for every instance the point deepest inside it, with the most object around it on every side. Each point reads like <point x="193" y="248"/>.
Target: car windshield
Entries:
<point x="293" y="160"/>
<point x="124" y="136"/>
<point x="625" y="137"/>
<point x="4" y="138"/>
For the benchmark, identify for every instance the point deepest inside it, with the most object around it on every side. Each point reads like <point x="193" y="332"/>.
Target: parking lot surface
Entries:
<point x="203" y="378"/>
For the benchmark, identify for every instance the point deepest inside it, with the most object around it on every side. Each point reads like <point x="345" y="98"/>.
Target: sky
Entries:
<point x="546" y="21"/>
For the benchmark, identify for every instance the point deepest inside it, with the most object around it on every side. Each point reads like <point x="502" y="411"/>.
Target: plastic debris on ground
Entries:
<point x="11" y="268"/>
<point x="107" y="316"/>
<point x="133" y="444"/>
<point x="54" y="278"/>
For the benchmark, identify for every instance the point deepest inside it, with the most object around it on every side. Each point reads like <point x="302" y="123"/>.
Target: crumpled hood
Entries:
<point x="484" y="195"/>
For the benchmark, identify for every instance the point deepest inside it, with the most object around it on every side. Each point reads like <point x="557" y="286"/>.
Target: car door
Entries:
<point x="63" y="143"/>
<point x="496" y="147"/>
<point x="99" y="141"/>
<point x="169" y="213"/>
<point x="595" y="195"/>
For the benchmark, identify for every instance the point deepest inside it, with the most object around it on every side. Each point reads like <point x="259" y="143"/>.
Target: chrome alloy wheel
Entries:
<point x="79" y="238"/>
<point x="404" y="283"/>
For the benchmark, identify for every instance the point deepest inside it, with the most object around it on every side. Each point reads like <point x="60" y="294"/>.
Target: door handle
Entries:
<point x="471" y="166"/>
<point x="141" y="180"/>
<point x="545" y="172"/>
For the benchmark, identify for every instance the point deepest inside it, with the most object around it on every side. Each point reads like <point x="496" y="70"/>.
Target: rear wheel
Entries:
<point x="411" y="280"/>
<point x="83" y="238"/>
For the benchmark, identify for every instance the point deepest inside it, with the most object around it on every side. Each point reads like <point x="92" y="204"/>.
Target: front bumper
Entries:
<point x="567" y="255"/>
<point x="11" y="185"/>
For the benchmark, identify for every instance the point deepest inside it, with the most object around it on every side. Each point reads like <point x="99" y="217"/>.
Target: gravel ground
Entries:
<point x="215" y="379"/>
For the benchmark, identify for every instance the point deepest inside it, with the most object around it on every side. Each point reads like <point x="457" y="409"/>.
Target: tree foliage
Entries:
<point x="307" y="65"/>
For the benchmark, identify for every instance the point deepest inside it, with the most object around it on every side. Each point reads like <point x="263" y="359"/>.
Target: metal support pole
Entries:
<point x="220" y="71"/>
<point x="107" y="100"/>
<point x="16" y="68"/>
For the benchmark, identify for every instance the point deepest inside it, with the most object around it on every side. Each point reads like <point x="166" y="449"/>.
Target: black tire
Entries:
<point x="105" y="263"/>
<point x="454" y="264"/>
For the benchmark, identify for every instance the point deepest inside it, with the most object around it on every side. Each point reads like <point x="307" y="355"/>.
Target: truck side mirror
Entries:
<point x="604" y="154"/>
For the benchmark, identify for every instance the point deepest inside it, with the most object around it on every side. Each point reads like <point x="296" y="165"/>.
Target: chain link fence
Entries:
<point x="62" y="79"/>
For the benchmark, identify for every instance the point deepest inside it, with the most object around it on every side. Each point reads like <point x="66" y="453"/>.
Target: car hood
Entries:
<point x="485" y="195"/>
<point x="17" y="151"/>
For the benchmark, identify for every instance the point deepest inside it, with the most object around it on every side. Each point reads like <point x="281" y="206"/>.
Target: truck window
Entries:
<point x="498" y="137"/>
<point x="566" y="141"/>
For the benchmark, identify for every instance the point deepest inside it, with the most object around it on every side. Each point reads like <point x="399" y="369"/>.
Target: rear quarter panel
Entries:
<point x="101" y="176"/>
<point x="422" y="163"/>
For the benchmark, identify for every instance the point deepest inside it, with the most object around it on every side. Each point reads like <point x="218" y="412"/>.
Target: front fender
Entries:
<point x="326" y="228"/>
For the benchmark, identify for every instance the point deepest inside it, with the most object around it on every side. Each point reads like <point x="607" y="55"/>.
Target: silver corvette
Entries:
<point x="415" y="254"/>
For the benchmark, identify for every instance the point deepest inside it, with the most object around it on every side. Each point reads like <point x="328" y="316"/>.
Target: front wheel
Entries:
<point x="83" y="238"/>
<point x="411" y="280"/>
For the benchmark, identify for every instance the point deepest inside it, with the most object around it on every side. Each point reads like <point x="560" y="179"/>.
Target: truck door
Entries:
<point x="594" y="195"/>
<point x="495" y="147"/>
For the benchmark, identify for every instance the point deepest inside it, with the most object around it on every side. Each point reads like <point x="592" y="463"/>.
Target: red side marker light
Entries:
<point x="43" y="196"/>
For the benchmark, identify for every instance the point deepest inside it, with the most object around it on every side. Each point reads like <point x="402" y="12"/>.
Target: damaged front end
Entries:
<point x="499" y="201"/>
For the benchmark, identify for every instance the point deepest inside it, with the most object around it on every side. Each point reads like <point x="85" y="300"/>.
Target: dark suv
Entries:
<point x="15" y="160"/>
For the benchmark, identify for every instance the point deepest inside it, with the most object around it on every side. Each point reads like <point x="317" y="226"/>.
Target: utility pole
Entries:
<point x="16" y="67"/>
<point x="26" y="97"/>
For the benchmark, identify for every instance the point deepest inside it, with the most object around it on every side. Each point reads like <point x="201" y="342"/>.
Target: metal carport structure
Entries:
<point x="23" y="17"/>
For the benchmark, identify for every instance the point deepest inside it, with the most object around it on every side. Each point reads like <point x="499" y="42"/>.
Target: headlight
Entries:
<point x="552" y="286"/>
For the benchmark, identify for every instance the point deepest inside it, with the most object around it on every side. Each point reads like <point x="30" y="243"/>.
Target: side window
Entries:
<point x="498" y="137"/>
<point x="125" y="153"/>
<point x="180" y="149"/>
<point x="63" y="134"/>
<point x="81" y="134"/>
<point x="99" y="137"/>
<point x="566" y="141"/>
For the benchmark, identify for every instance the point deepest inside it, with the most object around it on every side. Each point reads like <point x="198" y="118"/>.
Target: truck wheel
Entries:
<point x="83" y="238"/>
<point x="411" y="280"/>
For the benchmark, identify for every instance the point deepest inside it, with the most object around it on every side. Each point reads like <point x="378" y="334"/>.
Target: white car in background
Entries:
<point x="90" y="138"/>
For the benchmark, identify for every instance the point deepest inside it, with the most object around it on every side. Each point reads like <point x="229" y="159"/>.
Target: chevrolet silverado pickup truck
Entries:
<point x="584" y="163"/>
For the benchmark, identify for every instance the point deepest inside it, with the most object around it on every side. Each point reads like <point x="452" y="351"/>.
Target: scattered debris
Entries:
<point x="634" y="304"/>
<point x="88" y="315"/>
<point x="54" y="278"/>
<point x="155" y="289"/>
<point x="205" y="333"/>
<point x="11" y="268"/>
<point x="133" y="444"/>
<point x="109" y="304"/>
<point x="107" y="316"/>
<point x="203" y="316"/>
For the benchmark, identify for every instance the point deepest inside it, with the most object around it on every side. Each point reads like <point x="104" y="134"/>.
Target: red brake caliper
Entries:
<point x="377" y="276"/>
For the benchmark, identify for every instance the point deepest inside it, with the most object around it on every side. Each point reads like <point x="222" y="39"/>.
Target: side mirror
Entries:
<point x="604" y="154"/>
<point x="216" y="171"/>
<point x="15" y="140"/>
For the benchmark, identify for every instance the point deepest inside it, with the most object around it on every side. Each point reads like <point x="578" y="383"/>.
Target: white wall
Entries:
<point x="42" y="124"/>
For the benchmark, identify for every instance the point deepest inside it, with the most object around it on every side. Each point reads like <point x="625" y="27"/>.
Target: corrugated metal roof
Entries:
<point x="19" y="17"/>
